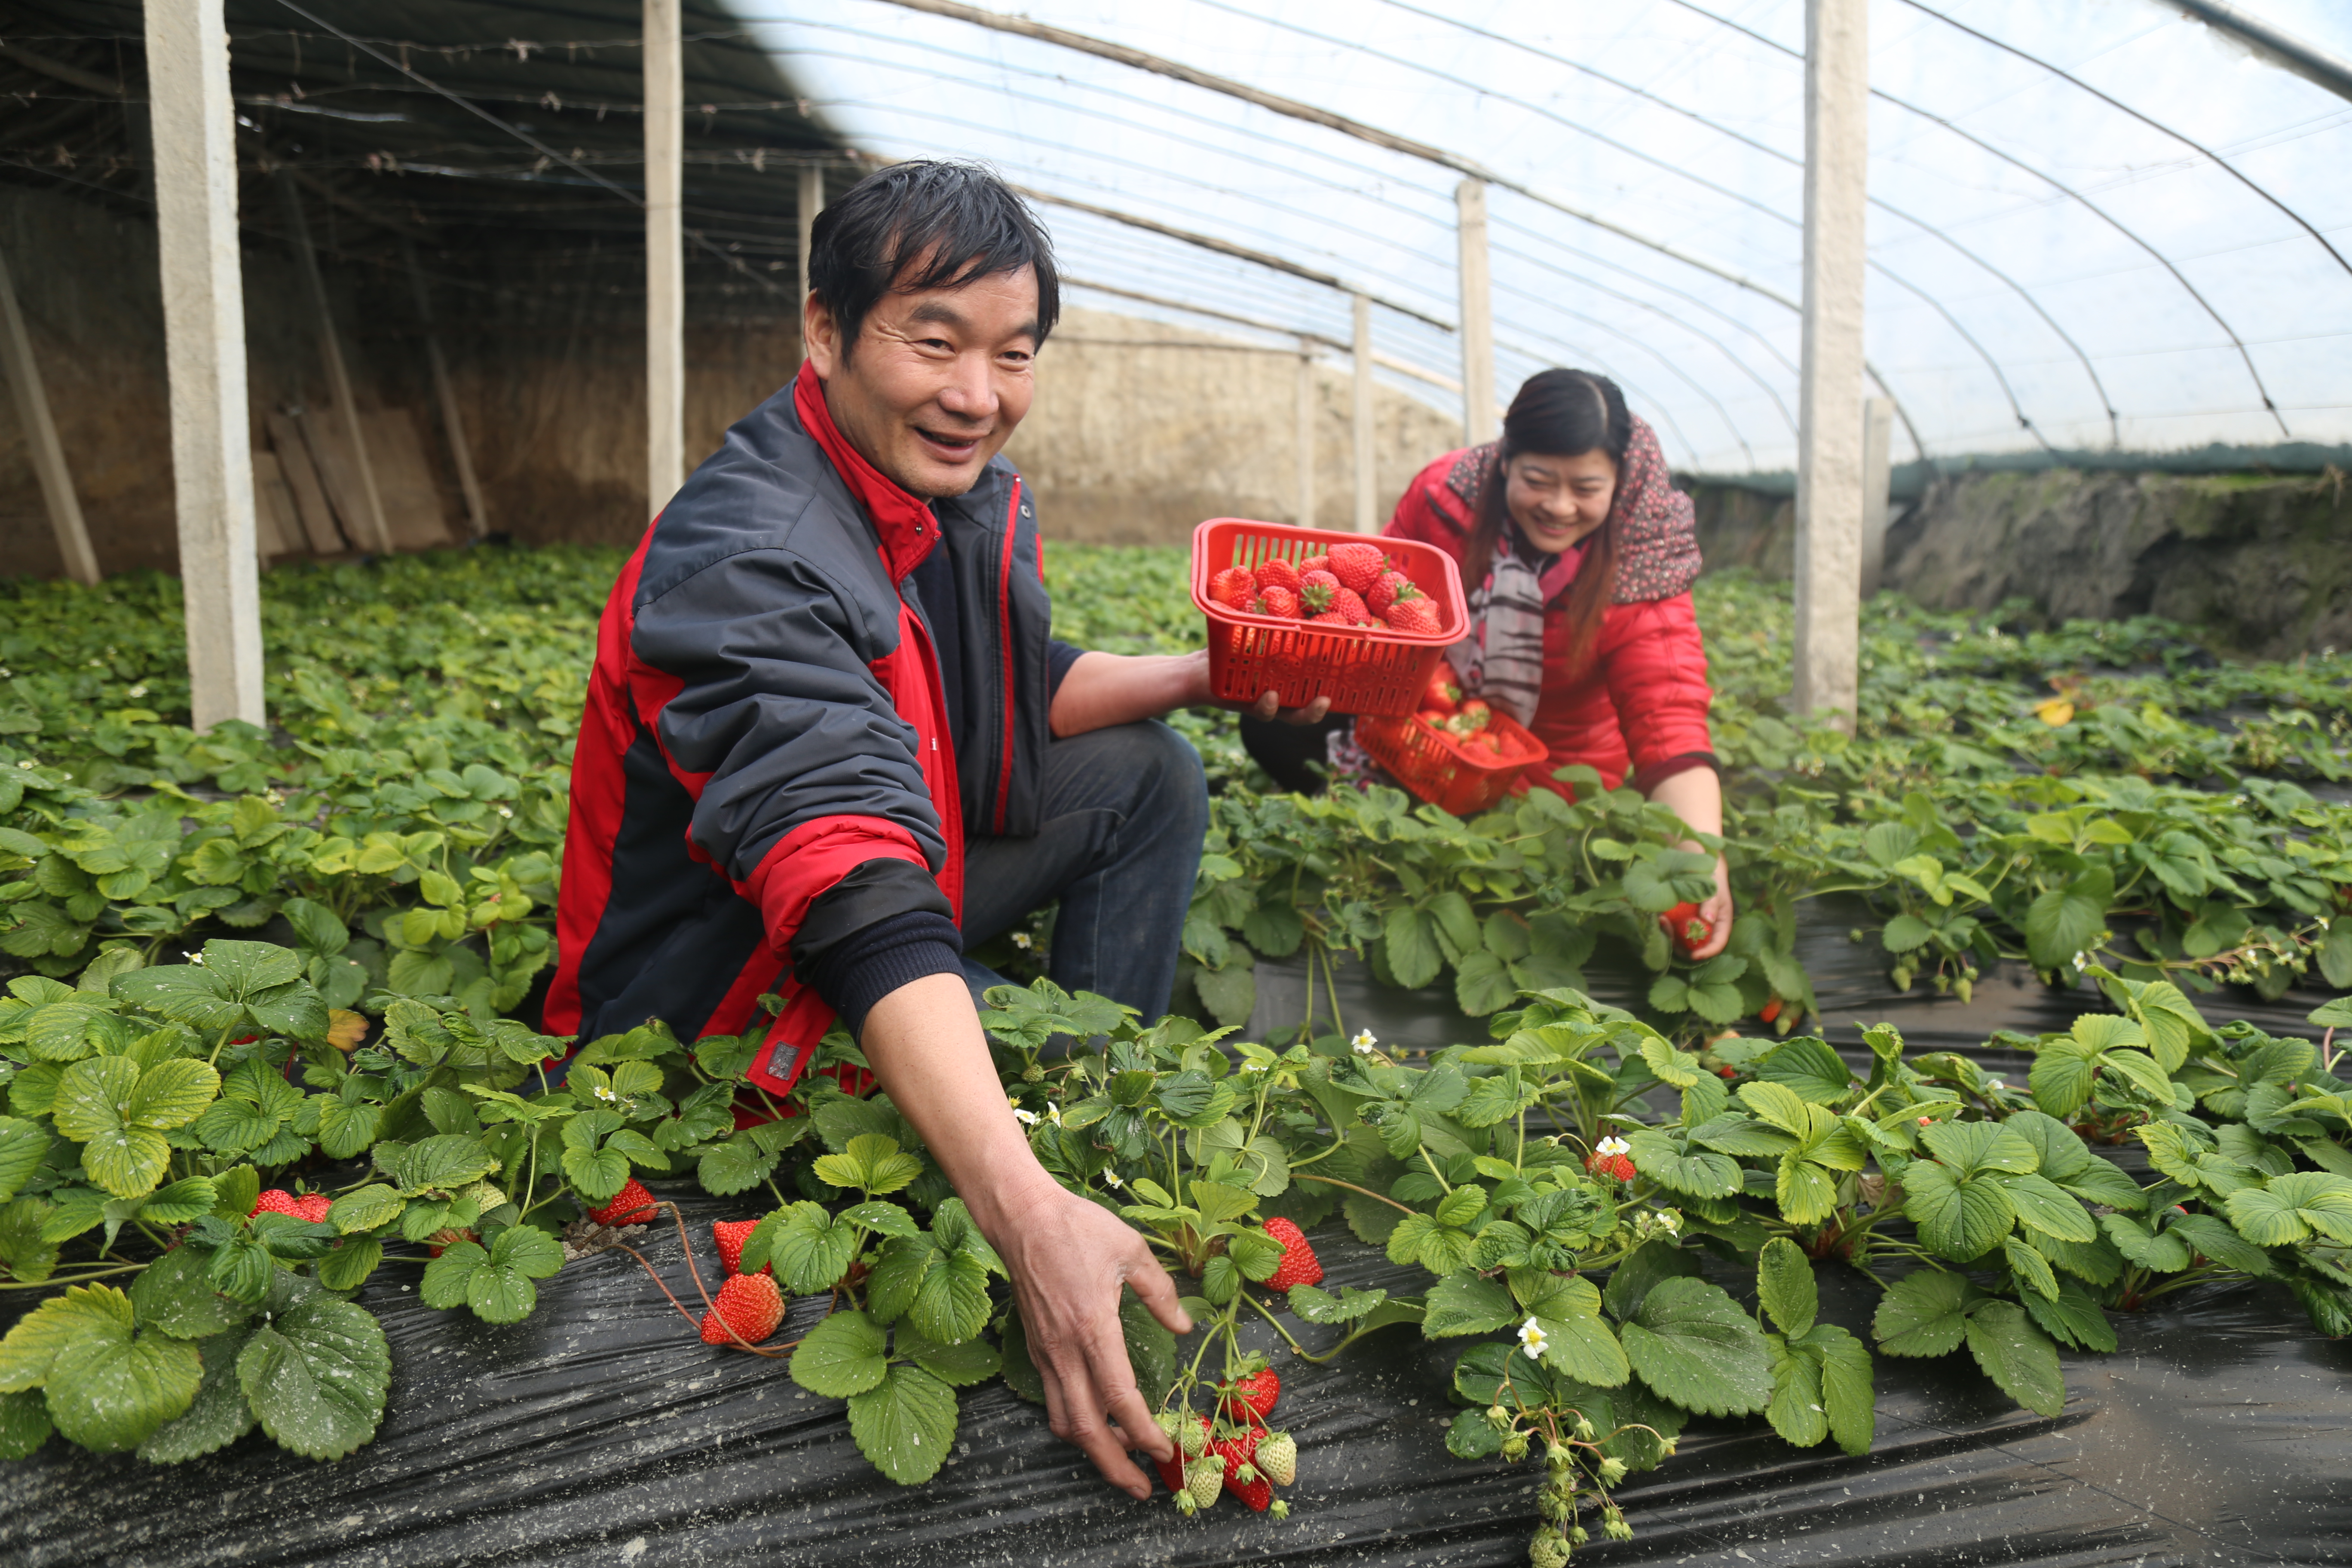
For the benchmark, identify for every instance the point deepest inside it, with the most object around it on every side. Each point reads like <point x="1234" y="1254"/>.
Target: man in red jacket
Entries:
<point x="829" y="736"/>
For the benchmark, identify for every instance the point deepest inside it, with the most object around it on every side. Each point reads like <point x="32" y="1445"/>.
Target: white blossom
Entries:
<point x="1022" y="939"/>
<point x="1613" y="1144"/>
<point x="1364" y="1043"/>
<point x="1532" y="1338"/>
<point x="1026" y="1118"/>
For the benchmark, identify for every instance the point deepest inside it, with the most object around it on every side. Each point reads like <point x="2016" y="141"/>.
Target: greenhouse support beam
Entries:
<point x="665" y="65"/>
<point x="812" y="202"/>
<point x="1305" y="431"/>
<point x="194" y="124"/>
<point x="1877" y="439"/>
<point x="2280" y="47"/>
<point x="1829" y="404"/>
<point x="49" y="455"/>
<point x="339" y="375"/>
<point x="1366" y="466"/>
<point x="1477" y="314"/>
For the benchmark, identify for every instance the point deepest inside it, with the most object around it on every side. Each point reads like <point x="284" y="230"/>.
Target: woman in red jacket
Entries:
<point x="1578" y="554"/>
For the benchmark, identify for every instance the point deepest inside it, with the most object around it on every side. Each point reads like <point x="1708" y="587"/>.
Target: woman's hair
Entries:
<point x="1564" y="414"/>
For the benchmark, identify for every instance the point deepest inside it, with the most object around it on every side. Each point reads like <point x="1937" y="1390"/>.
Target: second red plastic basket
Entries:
<point x="1362" y="670"/>
<point x="1462" y="779"/>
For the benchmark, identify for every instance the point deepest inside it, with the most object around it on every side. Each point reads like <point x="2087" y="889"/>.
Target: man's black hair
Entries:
<point x="960" y="221"/>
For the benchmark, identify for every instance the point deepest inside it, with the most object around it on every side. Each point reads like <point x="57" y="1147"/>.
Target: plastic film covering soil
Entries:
<point x="602" y="1430"/>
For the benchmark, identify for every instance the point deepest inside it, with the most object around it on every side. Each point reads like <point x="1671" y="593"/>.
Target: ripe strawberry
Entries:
<point x="1618" y="1167"/>
<point x="1351" y="603"/>
<point x="1299" y="1264"/>
<point x="1726" y="1073"/>
<point x="1277" y="1455"/>
<point x="1315" y="590"/>
<point x="1689" y="928"/>
<point x="1769" y="1011"/>
<point x="1276" y="572"/>
<point x="1235" y="586"/>
<point x="731" y="1235"/>
<point x="750" y="1304"/>
<point x="442" y="1240"/>
<point x="1313" y="564"/>
<point x="1255" y="1393"/>
<point x="1417" y="615"/>
<point x="1442" y="695"/>
<point x="277" y="1200"/>
<point x="631" y="1206"/>
<point x="313" y="1206"/>
<point x="1171" y="1472"/>
<point x="1358" y="566"/>
<point x="1281" y="602"/>
<point x="1386" y="589"/>
<point x="1240" y="1453"/>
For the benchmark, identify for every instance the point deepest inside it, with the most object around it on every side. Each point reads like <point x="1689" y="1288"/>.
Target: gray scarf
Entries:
<point x="1502" y="658"/>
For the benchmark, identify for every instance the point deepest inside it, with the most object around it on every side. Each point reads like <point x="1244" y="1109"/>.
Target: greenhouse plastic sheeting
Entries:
<point x="603" y="1430"/>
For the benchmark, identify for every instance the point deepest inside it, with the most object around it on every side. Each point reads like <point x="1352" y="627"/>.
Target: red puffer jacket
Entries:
<point x="1640" y="706"/>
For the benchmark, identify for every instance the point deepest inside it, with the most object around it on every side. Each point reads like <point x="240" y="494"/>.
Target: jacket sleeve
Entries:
<point x="1655" y="667"/>
<point x="749" y="673"/>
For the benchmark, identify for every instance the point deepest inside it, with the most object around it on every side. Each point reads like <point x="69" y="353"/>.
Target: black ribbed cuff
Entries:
<point x="859" y="971"/>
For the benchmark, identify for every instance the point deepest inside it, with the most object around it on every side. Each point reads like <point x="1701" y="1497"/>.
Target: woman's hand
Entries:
<point x="1696" y="795"/>
<point x="1716" y="911"/>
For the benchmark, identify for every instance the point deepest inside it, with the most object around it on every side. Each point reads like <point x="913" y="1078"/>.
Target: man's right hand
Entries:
<point x="1067" y="1256"/>
<point x="1068" y="1259"/>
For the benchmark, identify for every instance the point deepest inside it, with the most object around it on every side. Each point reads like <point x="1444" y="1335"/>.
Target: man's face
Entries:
<point x="939" y="381"/>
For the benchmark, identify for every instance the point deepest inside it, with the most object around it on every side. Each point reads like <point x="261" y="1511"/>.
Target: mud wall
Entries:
<point x="2262" y="563"/>
<point x="1140" y="430"/>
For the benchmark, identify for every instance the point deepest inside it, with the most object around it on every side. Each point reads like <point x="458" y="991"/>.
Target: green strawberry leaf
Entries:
<point x="84" y="1313"/>
<point x="1848" y="1388"/>
<point x="1785" y="1287"/>
<point x="2073" y="1317"/>
<point x="974" y="1361"/>
<point x="107" y="1393"/>
<point x="2043" y="1206"/>
<point x="1809" y="1069"/>
<point x="1924" y="1313"/>
<point x="2290" y="1207"/>
<point x="218" y="1415"/>
<point x="23" y="1423"/>
<point x="23" y="1146"/>
<point x="1463" y="1304"/>
<point x="1577" y="1341"/>
<point x="1151" y="1349"/>
<point x="2017" y="1357"/>
<point x="906" y="1424"/>
<point x="841" y="1356"/>
<point x="1313" y="1304"/>
<point x="1693" y="1344"/>
<point x="809" y="1248"/>
<point x="315" y="1375"/>
<point x="1697" y="1175"/>
<point x="175" y="1294"/>
<point x="1797" y="1410"/>
<point x="1959" y="1218"/>
<point x="346" y="1267"/>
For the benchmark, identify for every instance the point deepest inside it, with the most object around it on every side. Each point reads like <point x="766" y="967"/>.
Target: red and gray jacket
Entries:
<point x="1639" y="706"/>
<point x="765" y="770"/>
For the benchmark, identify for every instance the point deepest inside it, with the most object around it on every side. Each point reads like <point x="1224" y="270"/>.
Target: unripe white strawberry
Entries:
<point x="1277" y="1455"/>
<point x="1193" y="1435"/>
<point x="1205" y="1480"/>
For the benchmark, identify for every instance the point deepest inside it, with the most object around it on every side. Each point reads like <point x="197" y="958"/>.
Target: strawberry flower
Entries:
<point x="1532" y="1339"/>
<point x="1364" y="1043"/>
<point x="1022" y="939"/>
<point x="1613" y="1144"/>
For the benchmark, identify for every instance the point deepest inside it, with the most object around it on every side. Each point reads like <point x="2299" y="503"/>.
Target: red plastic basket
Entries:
<point x="1360" y="669"/>
<point x="1441" y="771"/>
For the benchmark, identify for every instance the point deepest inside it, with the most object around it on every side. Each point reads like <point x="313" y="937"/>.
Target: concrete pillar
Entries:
<point x="339" y="379"/>
<point x="477" y="515"/>
<point x="1877" y="438"/>
<point x="665" y="255"/>
<point x="41" y="437"/>
<point x="812" y="202"/>
<point x="1305" y="433"/>
<point x="1477" y="314"/>
<point x="1829" y="417"/>
<point x="1367" y="464"/>
<point x="204" y="354"/>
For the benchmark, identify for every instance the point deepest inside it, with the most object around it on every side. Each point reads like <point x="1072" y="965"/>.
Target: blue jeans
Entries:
<point x="1120" y="821"/>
